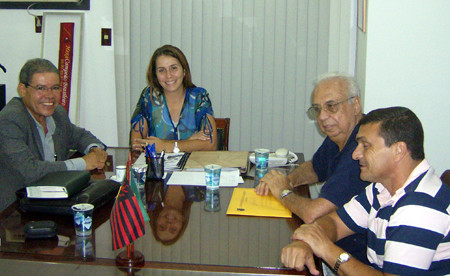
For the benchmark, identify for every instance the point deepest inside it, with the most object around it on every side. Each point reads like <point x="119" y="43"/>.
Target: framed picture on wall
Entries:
<point x="46" y="4"/>
<point x="362" y="11"/>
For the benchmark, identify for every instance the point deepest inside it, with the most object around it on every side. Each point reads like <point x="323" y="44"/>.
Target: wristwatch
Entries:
<point x="285" y="193"/>
<point x="343" y="258"/>
<point x="175" y="148"/>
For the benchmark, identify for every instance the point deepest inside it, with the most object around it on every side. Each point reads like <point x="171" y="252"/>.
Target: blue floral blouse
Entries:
<point x="192" y="117"/>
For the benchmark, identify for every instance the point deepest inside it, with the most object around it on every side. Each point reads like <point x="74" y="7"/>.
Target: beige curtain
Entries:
<point x="257" y="59"/>
<point x="121" y="36"/>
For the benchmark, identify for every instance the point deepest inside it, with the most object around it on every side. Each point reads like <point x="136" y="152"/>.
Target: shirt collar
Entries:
<point x="385" y="197"/>
<point x="48" y="121"/>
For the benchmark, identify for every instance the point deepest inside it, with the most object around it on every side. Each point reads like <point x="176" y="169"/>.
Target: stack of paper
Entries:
<point x="228" y="178"/>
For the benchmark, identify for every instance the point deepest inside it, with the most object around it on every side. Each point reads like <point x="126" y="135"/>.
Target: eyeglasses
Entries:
<point x="330" y="107"/>
<point x="41" y="89"/>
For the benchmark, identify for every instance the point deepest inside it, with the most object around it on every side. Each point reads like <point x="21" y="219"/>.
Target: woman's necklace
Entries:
<point x="176" y="134"/>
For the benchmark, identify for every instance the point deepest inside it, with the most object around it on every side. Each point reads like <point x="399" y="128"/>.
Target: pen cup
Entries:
<point x="212" y="176"/>
<point x="155" y="168"/>
<point x="82" y="217"/>
<point x="154" y="182"/>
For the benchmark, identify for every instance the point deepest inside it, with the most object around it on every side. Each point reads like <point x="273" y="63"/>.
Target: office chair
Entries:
<point x="223" y="133"/>
<point x="445" y="177"/>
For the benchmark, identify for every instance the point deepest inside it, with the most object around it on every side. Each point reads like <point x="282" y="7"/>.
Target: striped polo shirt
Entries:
<point x="408" y="233"/>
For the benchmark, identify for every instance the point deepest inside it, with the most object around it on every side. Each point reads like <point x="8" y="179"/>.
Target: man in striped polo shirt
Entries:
<point x="405" y="211"/>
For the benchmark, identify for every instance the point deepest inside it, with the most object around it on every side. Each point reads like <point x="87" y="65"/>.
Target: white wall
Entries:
<point x="19" y="42"/>
<point x="15" y="42"/>
<point x="407" y="62"/>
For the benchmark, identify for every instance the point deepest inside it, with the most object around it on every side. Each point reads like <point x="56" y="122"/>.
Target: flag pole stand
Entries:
<point x="130" y="258"/>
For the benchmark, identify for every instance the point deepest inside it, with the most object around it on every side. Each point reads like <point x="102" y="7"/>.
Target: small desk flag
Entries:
<point x="127" y="221"/>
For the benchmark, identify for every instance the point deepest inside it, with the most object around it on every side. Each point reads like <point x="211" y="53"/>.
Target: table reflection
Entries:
<point x="169" y="217"/>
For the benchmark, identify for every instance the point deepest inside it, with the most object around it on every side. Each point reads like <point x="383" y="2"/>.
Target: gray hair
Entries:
<point x="352" y="86"/>
<point x="33" y="66"/>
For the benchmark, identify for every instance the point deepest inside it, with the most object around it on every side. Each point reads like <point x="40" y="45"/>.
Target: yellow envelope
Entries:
<point x="245" y="202"/>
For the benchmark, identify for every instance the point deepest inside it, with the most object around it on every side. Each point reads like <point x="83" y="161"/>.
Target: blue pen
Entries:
<point x="153" y="151"/>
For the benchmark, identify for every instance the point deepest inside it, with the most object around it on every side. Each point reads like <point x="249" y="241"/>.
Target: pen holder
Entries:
<point x="154" y="182"/>
<point x="155" y="168"/>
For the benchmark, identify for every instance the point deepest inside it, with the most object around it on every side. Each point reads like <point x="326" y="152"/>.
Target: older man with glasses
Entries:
<point x="36" y="135"/>
<point x="337" y="108"/>
<point x="405" y="212"/>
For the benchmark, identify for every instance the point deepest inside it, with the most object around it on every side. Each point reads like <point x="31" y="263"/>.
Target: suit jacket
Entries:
<point x="21" y="150"/>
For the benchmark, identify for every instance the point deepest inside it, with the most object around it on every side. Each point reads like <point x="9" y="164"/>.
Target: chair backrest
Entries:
<point x="445" y="177"/>
<point x="223" y="133"/>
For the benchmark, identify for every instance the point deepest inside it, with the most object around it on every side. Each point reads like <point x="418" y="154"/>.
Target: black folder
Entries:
<point x="97" y="193"/>
<point x="62" y="184"/>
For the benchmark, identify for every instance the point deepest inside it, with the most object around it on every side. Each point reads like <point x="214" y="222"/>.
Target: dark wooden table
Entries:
<point x="212" y="243"/>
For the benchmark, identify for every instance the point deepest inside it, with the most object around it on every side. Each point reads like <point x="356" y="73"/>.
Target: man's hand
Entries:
<point x="298" y="254"/>
<point x="304" y="174"/>
<point x="95" y="159"/>
<point x="275" y="182"/>
<point x="314" y="235"/>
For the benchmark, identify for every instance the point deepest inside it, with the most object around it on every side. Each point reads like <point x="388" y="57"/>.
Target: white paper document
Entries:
<point x="228" y="178"/>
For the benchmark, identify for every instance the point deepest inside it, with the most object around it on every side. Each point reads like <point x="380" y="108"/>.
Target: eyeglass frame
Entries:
<point x="314" y="113"/>
<point x="53" y="89"/>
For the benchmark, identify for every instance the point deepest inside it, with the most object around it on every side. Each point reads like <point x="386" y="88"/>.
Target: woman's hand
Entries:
<point x="139" y="144"/>
<point x="200" y="135"/>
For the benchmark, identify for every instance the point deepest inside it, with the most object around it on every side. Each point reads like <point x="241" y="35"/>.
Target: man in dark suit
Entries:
<point x="36" y="135"/>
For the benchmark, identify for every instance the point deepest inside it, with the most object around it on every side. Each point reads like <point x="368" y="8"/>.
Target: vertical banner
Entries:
<point x="65" y="61"/>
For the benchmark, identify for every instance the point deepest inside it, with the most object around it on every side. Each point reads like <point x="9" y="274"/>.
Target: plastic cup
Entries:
<point x="138" y="174"/>
<point x="82" y="218"/>
<point x="212" y="200"/>
<point x="120" y="172"/>
<point x="262" y="159"/>
<point x="261" y="164"/>
<point x="84" y="248"/>
<point x="212" y="176"/>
